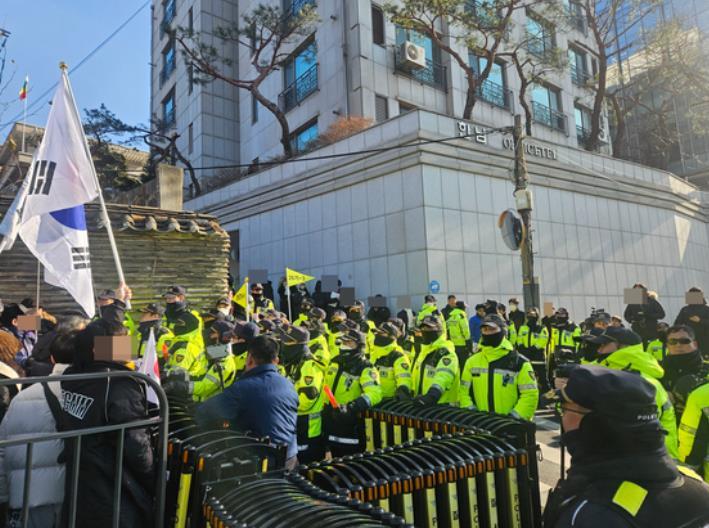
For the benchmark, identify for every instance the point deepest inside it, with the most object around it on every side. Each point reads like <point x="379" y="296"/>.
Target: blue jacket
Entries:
<point x="474" y="324"/>
<point x="261" y="401"/>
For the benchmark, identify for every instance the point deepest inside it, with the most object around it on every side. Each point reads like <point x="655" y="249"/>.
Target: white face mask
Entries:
<point x="513" y="307"/>
<point x="224" y="311"/>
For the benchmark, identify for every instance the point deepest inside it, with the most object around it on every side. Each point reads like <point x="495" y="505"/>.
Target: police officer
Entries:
<point x="621" y="474"/>
<point x="391" y="361"/>
<point x="532" y="339"/>
<point x="429" y="308"/>
<point x="497" y="378"/>
<point x="260" y="302"/>
<point x="354" y="382"/>
<point x="435" y="369"/>
<point x="405" y="339"/>
<point x="459" y="331"/>
<point x="356" y="313"/>
<point x="683" y="365"/>
<point x="336" y="328"/>
<point x="308" y="377"/>
<point x="243" y="334"/>
<point x="622" y="349"/>
<point x="186" y="348"/>
<point x="305" y="307"/>
<point x="657" y="348"/>
<point x="694" y="427"/>
<point x="564" y="337"/>
<point x="151" y="319"/>
<point x="318" y="344"/>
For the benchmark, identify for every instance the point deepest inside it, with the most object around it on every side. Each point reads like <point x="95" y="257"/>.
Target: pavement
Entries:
<point x="548" y="436"/>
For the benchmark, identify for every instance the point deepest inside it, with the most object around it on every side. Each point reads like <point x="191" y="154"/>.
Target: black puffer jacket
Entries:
<point x="91" y="403"/>
<point x="643" y="318"/>
<point x="701" y="327"/>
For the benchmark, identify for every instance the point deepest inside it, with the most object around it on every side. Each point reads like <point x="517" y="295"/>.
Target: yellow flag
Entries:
<point x="295" y="277"/>
<point x="241" y="297"/>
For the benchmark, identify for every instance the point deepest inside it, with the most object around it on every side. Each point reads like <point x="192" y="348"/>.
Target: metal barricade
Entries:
<point x="158" y="423"/>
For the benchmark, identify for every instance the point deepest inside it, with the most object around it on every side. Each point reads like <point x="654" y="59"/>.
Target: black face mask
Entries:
<point x="382" y="341"/>
<point x="257" y="296"/>
<point x="356" y="315"/>
<point x="291" y="353"/>
<point x="561" y="322"/>
<point x="492" y="340"/>
<point x="145" y="326"/>
<point x="429" y="337"/>
<point x="315" y="333"/>
<point x="239" y="348"/>
<point x="678" y="365"/>
<point x="532" y="322"/>
<point x="573" y="442"/>
<point x="172" y="309"/>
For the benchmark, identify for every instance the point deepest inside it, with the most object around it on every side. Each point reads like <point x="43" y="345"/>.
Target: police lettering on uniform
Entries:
<point x="621" y="474"/>
<point x="308" y="376"/>
<point x="391" y="361"/>
<point x="354" y="382"/>
<point x="435" y="376"/>
<point x="497" y="378"/>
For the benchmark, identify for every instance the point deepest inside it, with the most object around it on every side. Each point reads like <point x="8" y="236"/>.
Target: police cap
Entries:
<point x="617" y="394"/>
<point x="293" y="335"/>
<point x="613" y="334"/>
<point x="338" y="316"/>
<point x="352" y="338"/>
<point x="430" y="323"/>
<point x="246" y="331"/>
<point x="224" y="329"/>
<point x="106" y="295"/>
<point x="317" y="313"/>
<point x="153" y="308"/>
<point x="175" y="290"/>
<point x="494" y="321"/>
<point x="388" y="329"/>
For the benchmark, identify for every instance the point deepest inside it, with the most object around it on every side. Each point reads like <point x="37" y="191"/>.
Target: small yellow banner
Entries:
<point x="241" y="297"/>
<point x="295" y="277"/>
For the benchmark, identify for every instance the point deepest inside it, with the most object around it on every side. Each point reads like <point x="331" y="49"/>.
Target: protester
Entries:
<point x="643" y="318"/>
<point x="100" y="402"/>
<point x="696" y="316"/>
<point x="516" y="316"/>
<point x="261" y="401"/>
<point x="446" y="310"/>
<point x="35" y="411"/>
<point x="9" y="369"/>
<point x="40" y="362"/>
<point x="475" y="323"/>
<point x="621" y="474"/>
<point x="27" y="338"/>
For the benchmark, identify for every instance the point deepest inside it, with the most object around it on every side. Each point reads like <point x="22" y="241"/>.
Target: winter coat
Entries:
<point x="30" y="414"/>
<point x="91" y="403"/>
<point x="643" y="318"/>
<point x="701" y="329"/>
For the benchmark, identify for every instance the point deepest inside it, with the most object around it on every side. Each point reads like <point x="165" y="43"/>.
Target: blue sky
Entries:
<point x="45" y="32"/>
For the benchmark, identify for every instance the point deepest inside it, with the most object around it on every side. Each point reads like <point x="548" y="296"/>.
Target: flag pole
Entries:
<point x="107" y="221"/>
<point x="39" y="272"/>
<point x="290" y="315"/>
<point x="248" y="304"/>
<point x="24" y="120"/>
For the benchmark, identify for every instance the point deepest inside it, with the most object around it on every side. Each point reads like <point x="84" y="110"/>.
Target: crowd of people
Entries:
<point x="638" y="393"/>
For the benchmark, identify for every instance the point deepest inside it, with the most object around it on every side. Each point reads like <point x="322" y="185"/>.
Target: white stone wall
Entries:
<point x="391" y="223"/>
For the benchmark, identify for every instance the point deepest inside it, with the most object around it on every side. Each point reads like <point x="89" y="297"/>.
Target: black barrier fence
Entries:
<point x="394" y="423"/>
<point x="158" y="424"/>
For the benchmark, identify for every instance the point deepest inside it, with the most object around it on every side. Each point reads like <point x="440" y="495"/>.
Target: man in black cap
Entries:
<point x="621" y="474"/>
<point x="622" y="349"/>
<point x="244" y="333"/>
<point x="186" y="349"/>
<point x="261" y="303"/>
<point x="151" y="319"/>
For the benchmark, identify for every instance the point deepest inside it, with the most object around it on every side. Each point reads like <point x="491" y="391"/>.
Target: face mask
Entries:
<point x="171" y="309"/>
<point x="224" y="311"/>
<point x="239" y="348"/>
<point x="145" y="326"/>
<point x="257" y="296"/>
<point x="382" y="341"/>
<point x="532" y="321"/>
<point x="315" y="333"/>
<point x="491" y="340"/>
<point x="682" y="364"/>
<point x="428" y="337"/>
<point x="572" y="441"/>
<point x="355" y="315"/>
<point x="561" y="321"/>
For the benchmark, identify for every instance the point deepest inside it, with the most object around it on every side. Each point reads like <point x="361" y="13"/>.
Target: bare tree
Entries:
<point x="269" y="34"/>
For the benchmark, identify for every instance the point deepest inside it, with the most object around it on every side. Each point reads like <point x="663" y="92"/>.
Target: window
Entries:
<point x="190" y="79"/>
<point x="579" y="69"/>
<point x="377" y="25"/>
<point x="546" y="107"/>
<point x="190" y="20"/>
<point x="486" y="11"/>
<point x="493" y="89"/>
<point x="405" y="108"/>
<point x="168" y="62"/>
<point x="190" y="139"/>
<point x="577" y="17"/>
<point x="434" y="74"/>
<point x="167" y="17"/>
<point x="254" y="109"/>
<point x="300" y="76"/>
<point x="381" y="108"/>
<point x="302" y="138"/>
<point x="582" y="116"/>
<point x="540" y="36"/>
<point x="168" y="110"/>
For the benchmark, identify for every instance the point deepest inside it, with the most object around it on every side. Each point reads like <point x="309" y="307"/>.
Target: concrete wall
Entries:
<point x="393" y="221"/>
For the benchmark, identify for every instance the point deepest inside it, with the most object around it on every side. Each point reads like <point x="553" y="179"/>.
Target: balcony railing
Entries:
<point x="493" y="93"/>
<point x="583" y="135"/>
<point x="540" y="47"/>
<point x="168" y="17"/>
<point x="293" y="7"/>
<point x="299" y="89"/>
<point x="546" y="116"/>
<point x="434" y="74"/>
<point x="579" y="76"/>
<point x="166" y="71"/>
<point x="577" y="18"/>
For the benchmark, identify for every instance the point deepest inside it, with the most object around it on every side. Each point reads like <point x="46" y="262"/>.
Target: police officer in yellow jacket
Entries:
<point x="244" y="333"/>
<point x="260" y="302"/>
<point x="318" y="344"/>
<point x="657" y="348"/>
<point x="354" y="382"/>
<point x="622" y="349"/>
<point x="459" y="331"/>
<point x="393" y="364"/>
<point x="531" y="342"/>
<point x="693" y="431"/>
<point x="497" y="378"/>
<point x="435" y="369"/>
<point x="356" y="313"/>
<point x="336" y="328"/>
<point x="405" y="340"/>
<point x="429" y="307"/>
<point x="308" y="377"/>
<point x="151" y="319"/>
<point x="305" y="306"/>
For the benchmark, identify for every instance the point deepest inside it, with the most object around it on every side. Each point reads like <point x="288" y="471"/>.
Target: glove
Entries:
<point x="430" y="398"/>
<point x="178" y="383"/>
<point x="359" y="405"/>
<point x="403" y="393"/>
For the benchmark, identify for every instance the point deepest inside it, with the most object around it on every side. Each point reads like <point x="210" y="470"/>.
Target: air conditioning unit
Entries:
<point x="412" y="56"/>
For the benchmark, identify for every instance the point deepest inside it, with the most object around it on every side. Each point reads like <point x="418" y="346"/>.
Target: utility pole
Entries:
<point x="523" y="201"/>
